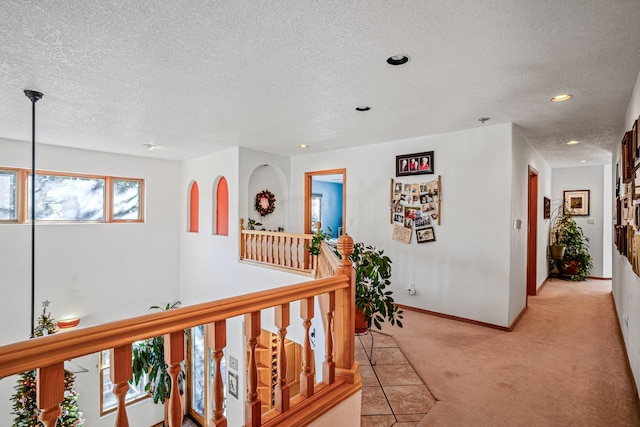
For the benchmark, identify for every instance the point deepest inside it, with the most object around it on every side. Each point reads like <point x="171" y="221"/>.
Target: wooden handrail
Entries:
<point x="340" y="372"/>
<point x="44" y="351"/>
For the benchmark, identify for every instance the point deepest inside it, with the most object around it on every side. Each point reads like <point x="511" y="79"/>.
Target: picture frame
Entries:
<point x="424" y="235"/>
<point x="547" y="208"/>
<point x="233" y="384"/>
<point x="577" y="202"/>
<point x="415" y="164"/>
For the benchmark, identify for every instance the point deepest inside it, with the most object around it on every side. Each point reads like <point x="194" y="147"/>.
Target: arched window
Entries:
<point x="221" y="221"/>
<point x="194" y="207"/>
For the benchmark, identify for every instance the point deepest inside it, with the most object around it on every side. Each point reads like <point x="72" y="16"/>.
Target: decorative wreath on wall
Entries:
<point x="265" y="202"/>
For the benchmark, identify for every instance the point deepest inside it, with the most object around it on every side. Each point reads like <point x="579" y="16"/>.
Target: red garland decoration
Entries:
<point x="265" y="202"/>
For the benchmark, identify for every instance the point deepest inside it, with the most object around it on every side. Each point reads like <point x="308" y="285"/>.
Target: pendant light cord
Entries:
<point x="34" y="97"/>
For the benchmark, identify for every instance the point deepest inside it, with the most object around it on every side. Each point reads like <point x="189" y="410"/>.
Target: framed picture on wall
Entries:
<point x="547" y="208"/>
<point x="577" y="202"/>
<point x="425" y="235"/>
<point x="414" y="164"/>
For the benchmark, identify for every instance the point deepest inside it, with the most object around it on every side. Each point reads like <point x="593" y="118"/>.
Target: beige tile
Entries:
<point x="361" y="356"/>
<point x="369" y="377"/>
<point x="407" y="418"/>
<point x="377" y="421"/>
<point x="388" y="356"/>
<point x="405" y="424"/>
<point x="374" y="402"/>
<point x="397" y="375"/>
<point x="409" y="399"/>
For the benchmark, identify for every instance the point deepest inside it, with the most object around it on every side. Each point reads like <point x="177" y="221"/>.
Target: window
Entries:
<point x="70" y="197"/>
<point x="109" y="400"/>
<point x="8" y="195"/>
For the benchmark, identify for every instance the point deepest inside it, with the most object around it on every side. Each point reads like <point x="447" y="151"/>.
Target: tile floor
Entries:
<point x="392" y="393"/>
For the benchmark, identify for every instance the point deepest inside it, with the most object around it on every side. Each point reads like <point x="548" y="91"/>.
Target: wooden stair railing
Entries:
<point x="282" y="250"/>
<point x="341" y="377"/>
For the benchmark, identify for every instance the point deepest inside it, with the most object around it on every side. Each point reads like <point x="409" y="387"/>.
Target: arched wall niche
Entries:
<point x="269" y="177"/>
<point x="193" y="207"/>
<point x="220" y="207"/>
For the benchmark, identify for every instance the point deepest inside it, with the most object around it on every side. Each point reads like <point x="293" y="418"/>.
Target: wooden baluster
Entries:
<point x="217" y="340"/>
<point x="50" y="393"/>
<point x="174" y="355"/>
<point x="296" y="258"/>
<point x="260" y="251"/>
<point x="276" y="248"/>
<point x="288" y="250"/>
<point x="270" y="251"/>
<point x="253" y="248"/>
<point x="329" y="366"/>
<point x="282" y="388"/>
<point x="306" y="376"/>
<point x="252" y="410"/>
<point x="121" y="372"/>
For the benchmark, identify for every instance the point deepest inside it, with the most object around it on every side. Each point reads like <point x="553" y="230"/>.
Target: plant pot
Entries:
<point x="557" y="251"/>
<point x="569" y="268"/>
<point x="361" y="322"/>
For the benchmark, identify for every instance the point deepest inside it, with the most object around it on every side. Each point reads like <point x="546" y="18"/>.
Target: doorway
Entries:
<point x="325" y="198"/>
<point x="532" y="232"/>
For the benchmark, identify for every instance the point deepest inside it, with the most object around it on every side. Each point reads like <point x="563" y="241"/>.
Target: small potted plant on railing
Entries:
<point x="374" y="303"/>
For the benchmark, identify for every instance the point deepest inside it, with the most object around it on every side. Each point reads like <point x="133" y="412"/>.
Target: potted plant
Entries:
<point x="374" y="303"/>
<point x="575" y="261"/>
<point x="148" y="358"/>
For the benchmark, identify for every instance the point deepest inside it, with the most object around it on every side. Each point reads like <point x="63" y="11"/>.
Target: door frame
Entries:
<point x="308" y="184"/>
<point x="532" y="231"/>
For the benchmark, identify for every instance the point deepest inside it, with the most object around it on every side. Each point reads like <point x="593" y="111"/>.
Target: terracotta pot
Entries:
<point x="569" y="268"/>
<point x="361" y="322"/>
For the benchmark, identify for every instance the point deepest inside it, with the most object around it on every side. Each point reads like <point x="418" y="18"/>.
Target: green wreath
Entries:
<point x="265" y="202"/>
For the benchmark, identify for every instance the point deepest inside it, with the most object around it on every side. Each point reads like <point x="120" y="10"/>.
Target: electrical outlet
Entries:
<point x="233" y="363"/>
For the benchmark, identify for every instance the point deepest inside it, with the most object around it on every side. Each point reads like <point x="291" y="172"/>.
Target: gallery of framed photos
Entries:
<point x="415" y="203"/>
<point x="627" y="220"/>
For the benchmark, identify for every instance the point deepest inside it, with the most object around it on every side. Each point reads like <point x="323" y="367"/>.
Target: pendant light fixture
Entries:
<point x="34" y="96"/>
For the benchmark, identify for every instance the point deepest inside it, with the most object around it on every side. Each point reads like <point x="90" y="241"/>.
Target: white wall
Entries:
<point x="100" y="272"/>
<point x="524" y="155"/>
<point x="466" y="271"/>
<point x="626" y="284"/>
<point x="594" y="179"/>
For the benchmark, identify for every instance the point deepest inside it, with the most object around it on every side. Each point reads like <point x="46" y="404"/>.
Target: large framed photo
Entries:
<point x="414" y="164"/>
<point x="425" y="235"/>
<point x="577" y="202"/>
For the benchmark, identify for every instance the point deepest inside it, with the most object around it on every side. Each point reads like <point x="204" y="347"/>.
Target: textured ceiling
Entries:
<point x="195" y="77"/>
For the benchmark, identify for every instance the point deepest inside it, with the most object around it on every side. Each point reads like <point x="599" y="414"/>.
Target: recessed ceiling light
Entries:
<point x="398" y="59"/>
<point x="363" y="108"/>
<point x="583" y="161"/>
<point x="573" y="142"/>
<point x="562" y="97"/>
<point x="149" y="146"/>
<point x="303" y="146"/>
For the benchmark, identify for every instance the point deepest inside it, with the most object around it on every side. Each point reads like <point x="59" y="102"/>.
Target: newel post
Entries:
<point x="344" y="316"/>
<point x="241" y="246"/>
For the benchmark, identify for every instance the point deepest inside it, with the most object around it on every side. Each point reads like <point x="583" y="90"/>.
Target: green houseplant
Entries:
<point x="575" y="262"/>
<point x="373" y="300"/>
<point x="148" y="358"/>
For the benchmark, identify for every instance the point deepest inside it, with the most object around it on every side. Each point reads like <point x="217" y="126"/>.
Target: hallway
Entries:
<point x="562" y="365"/>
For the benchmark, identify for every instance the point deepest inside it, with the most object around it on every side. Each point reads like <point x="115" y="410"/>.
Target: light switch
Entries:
<point x="591" y="220"/>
